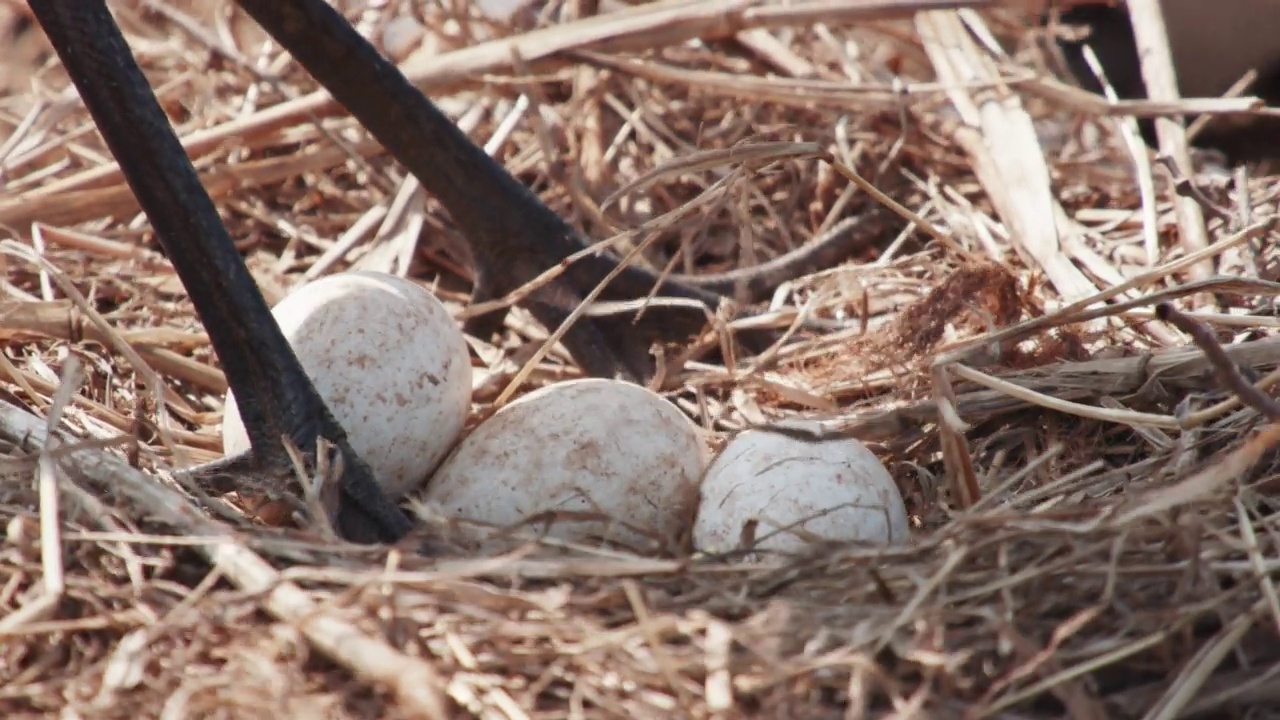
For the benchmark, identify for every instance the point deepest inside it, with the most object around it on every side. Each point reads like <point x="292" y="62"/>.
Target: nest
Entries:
<point x="1092" y="493"/>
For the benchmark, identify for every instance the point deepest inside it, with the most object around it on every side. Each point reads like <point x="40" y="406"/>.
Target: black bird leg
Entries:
<point x="512" y="235"/>
<point x="275" y="396"/>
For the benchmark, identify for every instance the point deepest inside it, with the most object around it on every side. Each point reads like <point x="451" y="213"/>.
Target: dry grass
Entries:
<point x="1119" y="561"/>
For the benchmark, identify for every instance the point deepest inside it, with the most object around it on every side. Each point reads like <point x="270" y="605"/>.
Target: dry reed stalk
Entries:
<point x="1107" y="548"/>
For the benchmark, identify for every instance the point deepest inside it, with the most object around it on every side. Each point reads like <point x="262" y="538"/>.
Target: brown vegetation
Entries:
<point x="1119" y="561"/>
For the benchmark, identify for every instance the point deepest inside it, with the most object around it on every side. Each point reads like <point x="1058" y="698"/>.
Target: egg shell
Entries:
<point x="778" y="480"/>
<point x="389" y="361"/>
<point x="401" y="35"/>
<point x="590" y="446"/>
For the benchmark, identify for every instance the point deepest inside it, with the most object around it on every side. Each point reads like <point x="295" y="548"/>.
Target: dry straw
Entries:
<point x="1096" y="530"/>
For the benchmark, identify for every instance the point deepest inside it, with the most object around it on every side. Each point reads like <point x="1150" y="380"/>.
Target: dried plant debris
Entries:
<point x="1120" y="560"/>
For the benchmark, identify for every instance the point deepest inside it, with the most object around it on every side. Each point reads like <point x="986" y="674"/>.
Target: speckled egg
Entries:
<point x="389" y="361"/>
<point x="830" y="489"/>
<point x="607" y="448"/>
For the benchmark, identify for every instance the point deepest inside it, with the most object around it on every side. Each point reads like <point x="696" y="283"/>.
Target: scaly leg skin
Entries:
<point x="276" y="397"/>
<point x="512" y="235"/>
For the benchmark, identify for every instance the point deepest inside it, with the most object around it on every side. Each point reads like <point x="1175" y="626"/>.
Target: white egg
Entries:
<point x="389" y="361"/>
<point x="829" y="489"/>
<point x="401" y="35"/>
<point x="605" y="447"/>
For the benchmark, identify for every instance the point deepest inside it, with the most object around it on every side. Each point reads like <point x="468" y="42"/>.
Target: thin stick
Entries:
<point x="1227" y="372"/>
<point x="412" y="680"/>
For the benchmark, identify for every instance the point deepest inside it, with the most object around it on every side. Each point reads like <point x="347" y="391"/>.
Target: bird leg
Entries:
<point x="512" y="236"/>
<point x="276" y="397"/>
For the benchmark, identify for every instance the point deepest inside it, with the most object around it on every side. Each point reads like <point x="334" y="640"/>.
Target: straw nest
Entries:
<point x="1117" y="560"/>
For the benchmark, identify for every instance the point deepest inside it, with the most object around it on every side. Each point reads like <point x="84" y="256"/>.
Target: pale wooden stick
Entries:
<point x="412" y="680"/>
<point x="640" y="27"/>
<point x="1162" y="85"/>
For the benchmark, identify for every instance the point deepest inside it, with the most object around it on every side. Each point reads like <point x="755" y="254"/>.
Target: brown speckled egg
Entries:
<point x="389" y="361"/>
<point x="830" y="489"/>
<point x="604" y="447"/>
